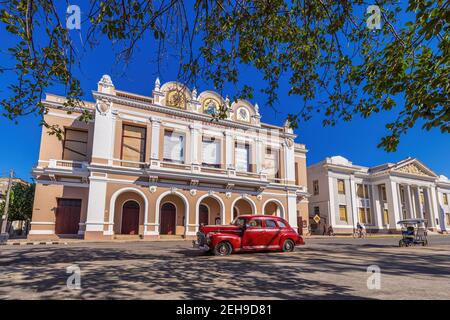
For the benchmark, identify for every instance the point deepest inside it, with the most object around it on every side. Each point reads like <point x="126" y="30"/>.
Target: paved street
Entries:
<point x="323" y="269"/>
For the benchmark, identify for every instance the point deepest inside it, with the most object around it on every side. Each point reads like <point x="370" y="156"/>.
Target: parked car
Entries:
<point x="248" y="233"/>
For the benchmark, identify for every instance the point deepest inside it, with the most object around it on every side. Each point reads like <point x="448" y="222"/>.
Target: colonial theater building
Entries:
<point x="150" y="166"/>
<point x="343" y="193"/>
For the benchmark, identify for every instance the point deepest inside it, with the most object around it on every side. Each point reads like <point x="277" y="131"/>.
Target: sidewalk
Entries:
<point x="22" y="242"/>
<point x="370" y="236"/>
<point x="351" y="237"/>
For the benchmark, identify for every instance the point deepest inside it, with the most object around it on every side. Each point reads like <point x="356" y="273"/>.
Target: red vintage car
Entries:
<point x="248" y="233"/>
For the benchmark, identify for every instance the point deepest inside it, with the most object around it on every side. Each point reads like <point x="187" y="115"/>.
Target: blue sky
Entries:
<point x="356" y="140"/>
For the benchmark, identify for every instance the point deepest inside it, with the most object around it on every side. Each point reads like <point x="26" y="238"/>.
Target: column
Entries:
<point x="354" y="207"/>
<point x="439" y="207"/>
<point x="289" y="162"/>
<point x="332" y="206"/>
<point x="431" y="208"/>
<point x="229" y="150"/>
<point x="292" y="209"/>
<point x="409" y="202"/>
<point x="154" y="147"/>
<point x="376" y="207"/>
<point x="419" y="210"/>
<point x="104" y="125"/>
<point x="393" y="205"/>
<point x="259" y="154"/>
<point x="195" y="134"/>
<point x="96" y="209"/>
<point x="400" y="202"/>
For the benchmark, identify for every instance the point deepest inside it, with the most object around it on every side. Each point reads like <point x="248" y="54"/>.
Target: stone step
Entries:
<point x="127" y="237"/>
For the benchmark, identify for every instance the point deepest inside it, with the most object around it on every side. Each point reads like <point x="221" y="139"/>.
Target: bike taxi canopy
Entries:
<point x="412" y="221"/>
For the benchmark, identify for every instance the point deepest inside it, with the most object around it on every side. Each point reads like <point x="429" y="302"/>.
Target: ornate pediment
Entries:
<point x="413" y="168"/>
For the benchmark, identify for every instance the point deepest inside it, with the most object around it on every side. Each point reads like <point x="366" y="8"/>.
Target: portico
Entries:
<point x="377" y="197"/>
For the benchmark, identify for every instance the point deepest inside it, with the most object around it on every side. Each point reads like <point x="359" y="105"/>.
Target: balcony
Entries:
<point x="161" y="170"/>
<point x="197" y="172"/>
<point x="67" y="164"/>
<point x="62" y="168"/>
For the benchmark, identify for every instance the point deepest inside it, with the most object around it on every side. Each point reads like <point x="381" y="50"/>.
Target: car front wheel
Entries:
<point x="223" y="249"/>
<point x="288" y="246"/>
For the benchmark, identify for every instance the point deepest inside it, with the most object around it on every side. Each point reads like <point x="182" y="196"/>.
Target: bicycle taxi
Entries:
<point x="414" y="232"/>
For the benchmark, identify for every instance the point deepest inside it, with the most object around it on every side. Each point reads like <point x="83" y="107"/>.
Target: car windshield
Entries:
<point x="239" y="222"/>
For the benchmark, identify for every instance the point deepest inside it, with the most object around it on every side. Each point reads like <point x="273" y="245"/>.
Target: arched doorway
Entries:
<point x="211" y="210"/>
<point x="130" y="217"/>
<point x="243" y="207"/>
<point x="168" y="218"/>
<point x="118" y="201"/>
<point x="273" y="208"/>
<point x="203" y="215"/>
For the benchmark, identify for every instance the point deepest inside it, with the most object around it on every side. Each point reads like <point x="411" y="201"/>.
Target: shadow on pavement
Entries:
<point x="124" y="273"/>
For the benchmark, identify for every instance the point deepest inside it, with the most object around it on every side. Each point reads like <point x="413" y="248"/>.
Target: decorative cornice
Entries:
<point x="61" y="106"/>
<point x="181" y="113"/>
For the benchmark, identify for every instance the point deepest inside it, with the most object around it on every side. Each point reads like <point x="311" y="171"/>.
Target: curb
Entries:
<point x="34" y="243"/>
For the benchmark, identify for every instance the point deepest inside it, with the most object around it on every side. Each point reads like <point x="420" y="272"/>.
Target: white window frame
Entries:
<point x="170" y="155"/>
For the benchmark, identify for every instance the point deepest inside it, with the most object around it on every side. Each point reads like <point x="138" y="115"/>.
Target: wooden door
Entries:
<point x="203" y="215"/>
<point x="130" y="218"/>
<point x="168" y="219"/>
<point x="68" y="213"/>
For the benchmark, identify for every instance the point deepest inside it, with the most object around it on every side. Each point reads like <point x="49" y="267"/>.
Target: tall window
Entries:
<point x="270" y="165"/>
<point x="447" y="218"/>
<point x="445" y="198"/>
<point x="360" y="190"/>
<point x="383" y="192"/>
<point x="343" y="213"/>
<point x="75" y="145"/>
<point x="385" y="216"/>
<point x="133" y="143"/>
<point x="316" y="187"/>
<point x="422" y="198"/>
<point x="364" y="215"/>
<point x="211" y="152"/>
<point x="297" y="178"/>
<point x="173" y="146"/>
<point x="242" y="157"/>
<point x="317" y="211"/>
<point x="341" y="186"/>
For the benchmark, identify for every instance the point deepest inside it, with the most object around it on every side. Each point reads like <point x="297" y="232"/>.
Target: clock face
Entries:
<point x="242" y="114"/>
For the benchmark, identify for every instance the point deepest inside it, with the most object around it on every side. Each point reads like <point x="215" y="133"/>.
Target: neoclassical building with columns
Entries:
<point x="343" y="194"/>
<point x="147" y="167"/>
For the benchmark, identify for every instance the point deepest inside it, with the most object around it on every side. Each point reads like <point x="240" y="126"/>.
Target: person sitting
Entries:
<point x="409" y="232"/>
<point x="330" y="231"/>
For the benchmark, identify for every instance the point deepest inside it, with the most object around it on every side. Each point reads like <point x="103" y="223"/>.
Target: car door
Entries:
<point x="272" y="233"/>
<point x="253" y="237"/>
